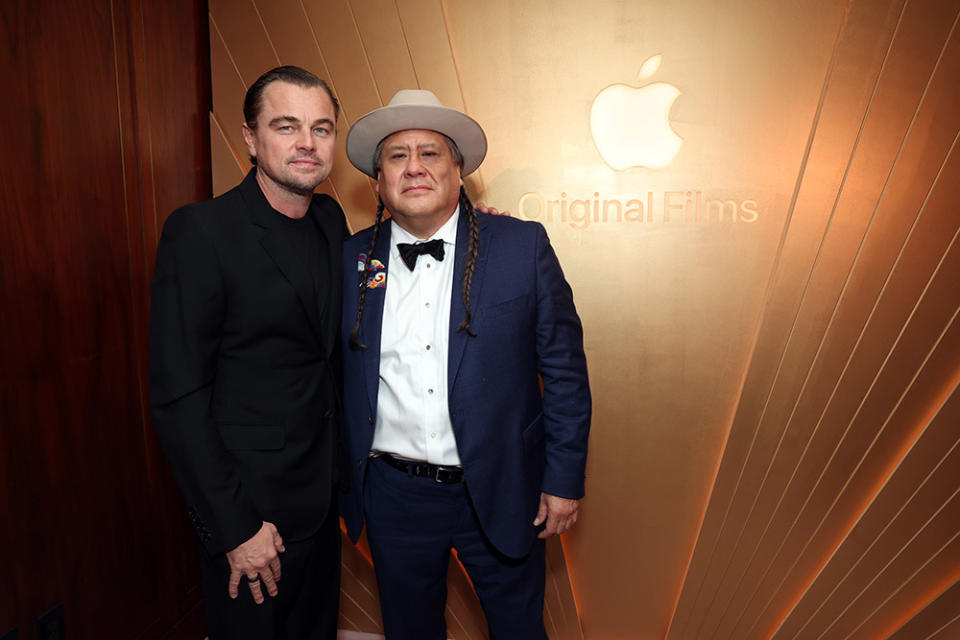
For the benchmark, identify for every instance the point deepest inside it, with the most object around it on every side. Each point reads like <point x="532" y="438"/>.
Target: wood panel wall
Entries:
<point x="105" y="131"/>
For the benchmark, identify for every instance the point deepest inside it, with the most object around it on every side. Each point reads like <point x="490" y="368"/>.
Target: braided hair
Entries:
<point x="473" y="250"/>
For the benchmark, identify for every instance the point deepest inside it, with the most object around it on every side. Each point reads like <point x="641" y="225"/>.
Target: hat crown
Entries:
<point x="415" y="109"/>
<point x="419" y="97"/>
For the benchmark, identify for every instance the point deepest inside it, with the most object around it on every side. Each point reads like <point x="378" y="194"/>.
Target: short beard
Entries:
<point x="295" y="188"/>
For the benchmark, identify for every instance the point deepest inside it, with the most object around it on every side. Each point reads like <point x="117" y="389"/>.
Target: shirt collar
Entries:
<point x="447" y="233"/>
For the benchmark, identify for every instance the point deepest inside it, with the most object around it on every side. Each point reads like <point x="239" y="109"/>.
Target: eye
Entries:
<point x="285" y="128"/>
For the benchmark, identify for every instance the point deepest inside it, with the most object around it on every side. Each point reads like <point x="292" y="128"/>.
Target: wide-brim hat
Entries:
<point x="415" y="109"/>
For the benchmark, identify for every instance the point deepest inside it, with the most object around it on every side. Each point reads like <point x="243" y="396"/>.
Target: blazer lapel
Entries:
<point x="458" y="339"/>
<point x="323" y="292"/>
<point x="373" y="319"/>
<point x="272" y="241"/>
<point x="329" y="290"/>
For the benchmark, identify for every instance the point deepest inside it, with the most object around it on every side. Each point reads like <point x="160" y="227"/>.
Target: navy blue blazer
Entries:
<point x="514" y="440"/>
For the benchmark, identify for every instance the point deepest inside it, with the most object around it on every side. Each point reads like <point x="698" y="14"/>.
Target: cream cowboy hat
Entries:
<point x="415" y="109"/>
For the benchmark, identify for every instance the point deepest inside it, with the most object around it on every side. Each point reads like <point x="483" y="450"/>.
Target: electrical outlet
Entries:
<point x="50" y="624"/>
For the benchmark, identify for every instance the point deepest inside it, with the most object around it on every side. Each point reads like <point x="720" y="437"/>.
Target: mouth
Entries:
<point x="416" y="188"/>
<point x="305" y="163"/>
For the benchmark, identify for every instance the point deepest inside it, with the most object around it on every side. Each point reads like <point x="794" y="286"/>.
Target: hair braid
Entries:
<point x="473" y="249"/>
<point x="364" y="274"/>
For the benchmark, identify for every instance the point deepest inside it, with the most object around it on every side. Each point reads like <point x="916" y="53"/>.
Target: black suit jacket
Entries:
<point x="244" y="365"/>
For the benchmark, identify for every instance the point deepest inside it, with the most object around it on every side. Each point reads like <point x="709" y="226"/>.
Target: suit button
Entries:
<point x="370" y="419"/>
<point x="359" y="464"/>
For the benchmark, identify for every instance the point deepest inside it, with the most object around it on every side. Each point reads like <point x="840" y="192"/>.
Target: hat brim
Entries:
<point x="367" y="132"/>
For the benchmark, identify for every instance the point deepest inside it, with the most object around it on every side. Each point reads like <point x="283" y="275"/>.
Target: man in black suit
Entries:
<point x="244" y="370"/>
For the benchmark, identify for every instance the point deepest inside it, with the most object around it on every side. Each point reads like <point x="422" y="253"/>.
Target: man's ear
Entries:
<point x="249" y="138"/>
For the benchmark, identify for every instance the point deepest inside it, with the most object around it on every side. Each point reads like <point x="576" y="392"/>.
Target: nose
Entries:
<point x="414" y="166"/>
<point x="305" y="139"/>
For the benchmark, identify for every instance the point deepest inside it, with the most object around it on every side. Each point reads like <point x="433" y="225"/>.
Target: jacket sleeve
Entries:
<point x="186" y="319"/>
<point x="563" y="370"/>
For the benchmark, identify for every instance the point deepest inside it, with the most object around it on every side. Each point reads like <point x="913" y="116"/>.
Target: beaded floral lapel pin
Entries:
<point x="376" y="274"/>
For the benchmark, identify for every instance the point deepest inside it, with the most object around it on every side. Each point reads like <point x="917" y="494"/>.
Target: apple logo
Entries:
<point x="631" y="125"/>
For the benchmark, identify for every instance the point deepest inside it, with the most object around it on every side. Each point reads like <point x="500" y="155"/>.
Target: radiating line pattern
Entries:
<point x="835" y="507"/>
<point x="367" y="50"/>
<point x="834" y="513"/>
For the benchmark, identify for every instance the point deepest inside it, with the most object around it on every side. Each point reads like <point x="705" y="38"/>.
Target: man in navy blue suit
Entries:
<point x="451" y="321"/>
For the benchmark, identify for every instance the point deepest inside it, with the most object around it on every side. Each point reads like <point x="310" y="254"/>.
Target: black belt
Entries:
<point x="443" y="475"/>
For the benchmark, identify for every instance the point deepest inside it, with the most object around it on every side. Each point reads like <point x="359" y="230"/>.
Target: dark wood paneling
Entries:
<point x="106" y="132"/>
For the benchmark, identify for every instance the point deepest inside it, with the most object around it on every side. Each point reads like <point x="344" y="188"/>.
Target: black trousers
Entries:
<point x="306" y="606"/>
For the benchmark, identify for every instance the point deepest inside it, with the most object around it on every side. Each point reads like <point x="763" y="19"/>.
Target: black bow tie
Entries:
<point x="410" y="252"/>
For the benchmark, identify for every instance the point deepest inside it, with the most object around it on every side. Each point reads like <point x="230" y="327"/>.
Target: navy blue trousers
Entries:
<point x="412" y="523"/>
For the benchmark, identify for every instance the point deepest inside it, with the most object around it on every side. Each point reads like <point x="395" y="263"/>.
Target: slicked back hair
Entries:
<point x="253" y="101"/>
<point x="473" y="248"/>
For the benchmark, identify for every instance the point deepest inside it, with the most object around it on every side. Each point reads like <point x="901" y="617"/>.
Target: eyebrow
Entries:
<point x="296" y="120"/>
<point x="397" y="145"/>
<point x="284" y="120"/>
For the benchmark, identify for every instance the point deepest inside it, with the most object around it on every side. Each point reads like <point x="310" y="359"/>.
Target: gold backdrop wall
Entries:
<point x="755" y="204"/>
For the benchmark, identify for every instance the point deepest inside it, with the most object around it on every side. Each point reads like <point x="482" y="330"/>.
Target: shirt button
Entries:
<point x="428" y="305"/>
<point x="433" y="435"/>
<point x="428" y="265"/>
<point x="430" y="391"/>
<point x="428" y="347"/>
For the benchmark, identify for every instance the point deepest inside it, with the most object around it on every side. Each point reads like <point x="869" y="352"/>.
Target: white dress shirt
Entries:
<point x="413" y="418"/>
